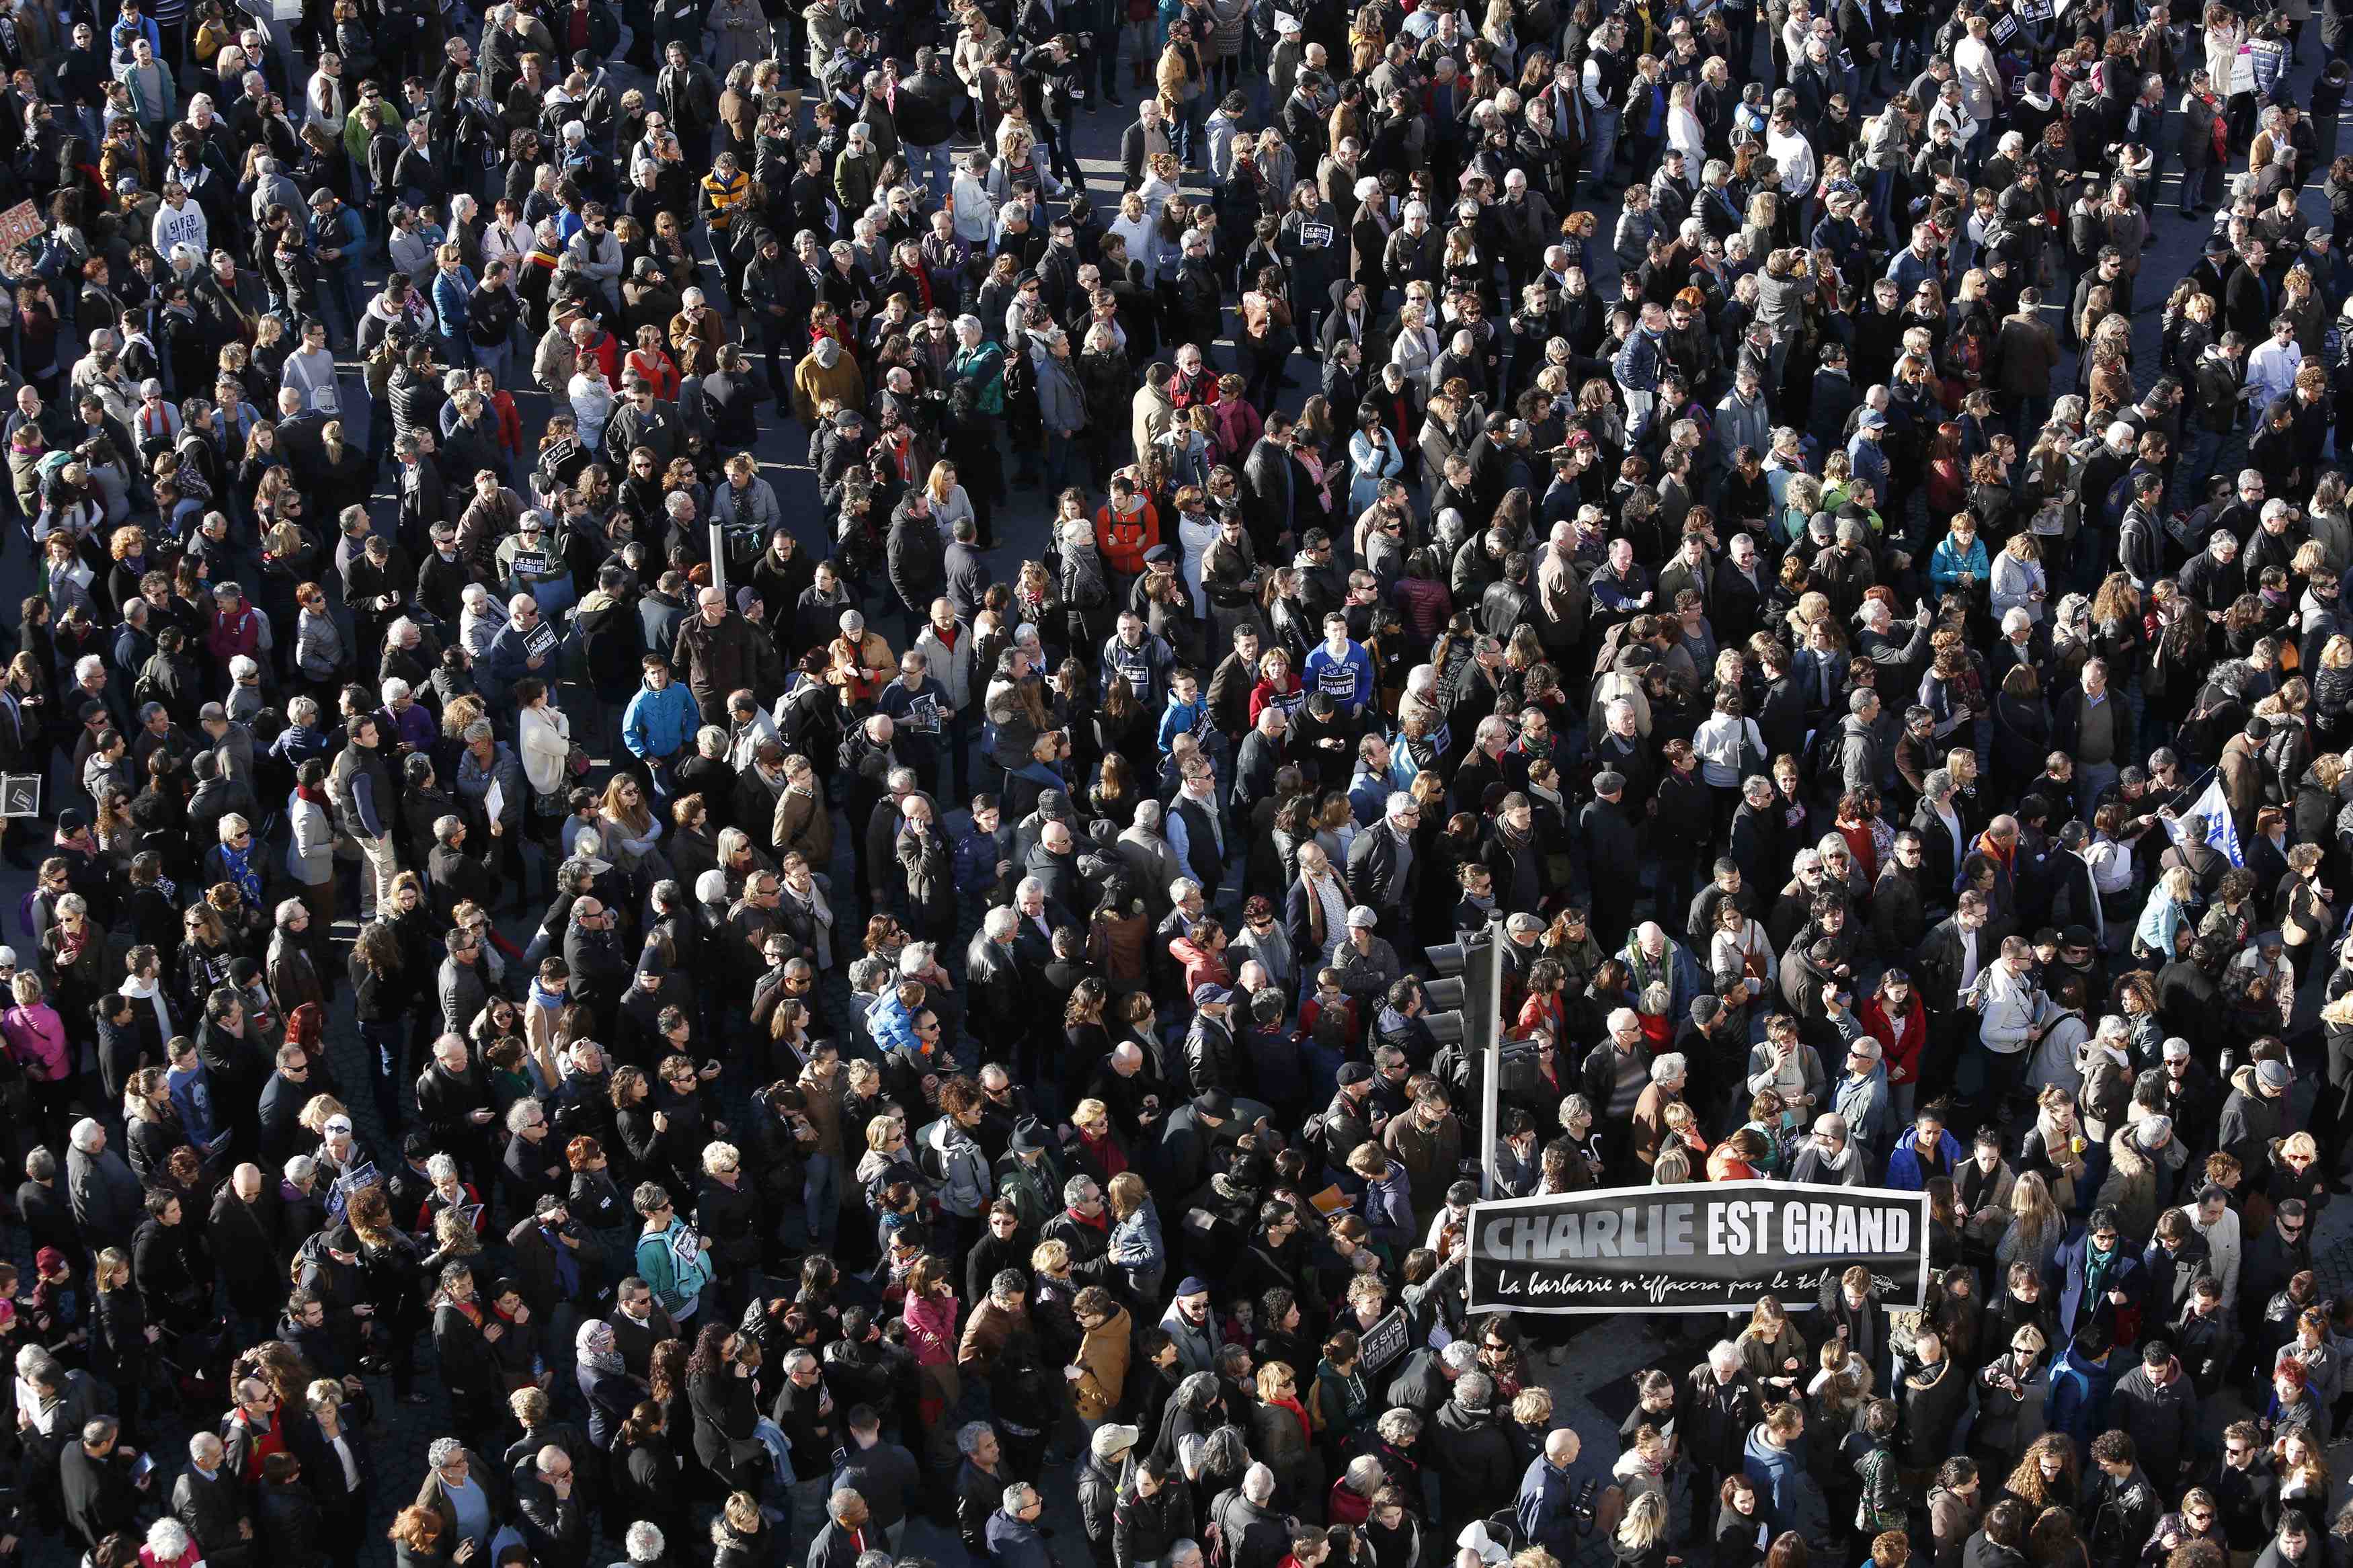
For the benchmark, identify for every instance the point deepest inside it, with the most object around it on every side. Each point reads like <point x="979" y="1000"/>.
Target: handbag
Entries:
<point x="577" y="761"/>
<point x="1749" y="761"/>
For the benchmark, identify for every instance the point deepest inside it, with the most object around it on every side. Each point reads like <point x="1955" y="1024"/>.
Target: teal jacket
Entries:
<point x="674" y="1287"/>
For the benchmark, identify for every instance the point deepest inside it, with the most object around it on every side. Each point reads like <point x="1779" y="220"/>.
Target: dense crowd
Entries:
<point x="1881" y="761"/>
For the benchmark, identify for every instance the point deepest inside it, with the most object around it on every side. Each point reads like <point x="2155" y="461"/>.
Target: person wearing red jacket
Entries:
<point x="1898" y="1020"/>
<point x="1125" y="527"/>
<point x="236" y="628"/>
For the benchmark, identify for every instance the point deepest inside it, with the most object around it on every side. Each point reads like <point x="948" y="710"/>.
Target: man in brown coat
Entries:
<point x="802" y="821"/>
<point x="2025" y="353"/>
<point x="1002" y="1313"/>
<point x="717" y="654"/>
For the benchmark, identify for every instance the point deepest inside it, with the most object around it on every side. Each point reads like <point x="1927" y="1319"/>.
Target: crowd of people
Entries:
<point x="961" y="1038"/>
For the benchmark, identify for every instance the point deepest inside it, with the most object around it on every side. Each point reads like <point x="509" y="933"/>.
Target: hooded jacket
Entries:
<point x="1790" y="1496"/>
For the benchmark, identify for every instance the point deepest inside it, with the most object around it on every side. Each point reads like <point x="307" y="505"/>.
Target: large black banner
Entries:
<point x="1708" y="1248"/>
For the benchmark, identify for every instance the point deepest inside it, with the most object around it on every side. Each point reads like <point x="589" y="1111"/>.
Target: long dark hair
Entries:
<point x="709" y="1358"/>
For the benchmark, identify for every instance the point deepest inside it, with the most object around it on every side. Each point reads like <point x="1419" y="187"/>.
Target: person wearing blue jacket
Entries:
<point x="660" y="722"/>
<point x="453" y="284"/>
<point x="1926" y="1151"/>
<point x="1775" y="1458"/>
<point x="1340" y="666"/>
<point x="2095" y="1276"/>
<point x="2081" y="1382"/>
<point x="1546" y="1505"/>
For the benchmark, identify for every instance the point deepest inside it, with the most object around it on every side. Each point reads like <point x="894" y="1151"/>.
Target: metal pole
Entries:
<point x="1488" y="1092"/>
<point x="1482" y="999"/>
<point x="718" y="556"/>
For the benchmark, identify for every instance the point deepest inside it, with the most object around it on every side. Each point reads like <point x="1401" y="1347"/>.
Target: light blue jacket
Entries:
<point x="661" y="724"/>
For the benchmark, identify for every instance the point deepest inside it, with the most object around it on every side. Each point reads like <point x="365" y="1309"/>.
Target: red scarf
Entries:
<point x="1106" y="1152"/>
<point x="1102" y="1222"/>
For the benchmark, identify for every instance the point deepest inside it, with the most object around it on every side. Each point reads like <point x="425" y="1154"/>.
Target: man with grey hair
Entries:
<point x="1381" y="864"/>
<point x="1721" y="1403"/>
<point x="106" y="1197"/>
<point x="1257" y="1534"/>
<point x="979" y="1486"/>
<point x="1830" y="1157"/>
<point x="553" y="1524"/>
<point x="459" y="1487"/>
<point x="95" y="1486"/>
<point x="1477" y="1467"/>
<point x="1151" y="859"/>
<point x="210" y="1504"/>
<point x="1862" y="1095"/>
<point x="1014" y="1540"/>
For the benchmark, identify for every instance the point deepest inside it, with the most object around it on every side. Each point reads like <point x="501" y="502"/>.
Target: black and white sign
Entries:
<point x="542" y="638"/>
<point x="1700" y="1248"/>
<point x="20" y="795"/>
<point x="1384" y="1342"/>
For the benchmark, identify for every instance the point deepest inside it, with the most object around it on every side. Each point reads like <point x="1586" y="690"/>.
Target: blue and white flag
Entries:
<point x="2208" y="819"/>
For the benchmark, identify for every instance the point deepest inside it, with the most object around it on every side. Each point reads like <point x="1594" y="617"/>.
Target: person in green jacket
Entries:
<point x="672" y="1259"/>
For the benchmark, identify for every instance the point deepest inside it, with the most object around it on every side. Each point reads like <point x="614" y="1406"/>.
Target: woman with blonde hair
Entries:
<point x="630" y="831"/>
<point x="1771" y="1348"/>
<point x="2170" y="907"/>
<point x="1281" y="1435"/>
<point x="741" y="1534"/>
<point x="2036" y="1226"/>
<point x="950" y="504"/>
<point x="1137" y="1246"/>
<point x="2047" y="1474"/>
<point x="1641" y="1539"/>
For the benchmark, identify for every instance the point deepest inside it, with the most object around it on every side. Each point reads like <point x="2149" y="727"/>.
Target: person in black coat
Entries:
<point x="547" y="1502"/>
<point x="288" y="1517"/>
<point x="719" y="1392"/>
<point x="118" y="1349"/>
<point x="532" y="1167"/>
<point x="727" y="1213"/>
<point x="95" y="1485"/>
<point x="463" y="1333"/>
<point x="642" y="1475"/>
<point x="42" y="1208"/>
<point x="1607" y="858"/>
<point x="211" y="1505"/>
<point x="173" y="1278"/>
<point x="320" y="1439"/>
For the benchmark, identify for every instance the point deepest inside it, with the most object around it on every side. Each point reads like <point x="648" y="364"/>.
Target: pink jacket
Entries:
<point x="36" y="1038"/>
<point x="932" y="1329"/>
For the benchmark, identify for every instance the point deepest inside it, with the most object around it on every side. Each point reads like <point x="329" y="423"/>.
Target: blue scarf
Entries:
<point x="241" y="872"/>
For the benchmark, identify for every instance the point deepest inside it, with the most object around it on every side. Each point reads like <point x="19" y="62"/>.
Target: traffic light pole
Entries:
<point x="1482" y="1018"/>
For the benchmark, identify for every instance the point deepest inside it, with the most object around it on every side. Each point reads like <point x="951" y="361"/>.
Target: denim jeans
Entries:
<point x="495" y="358"/>
<point x="821" y="1194"/>
<point x="1604" y="142"/>
<point x="2205" y="446"/>
<point x="383" y="1043"/>
<point x="932" y="166"/>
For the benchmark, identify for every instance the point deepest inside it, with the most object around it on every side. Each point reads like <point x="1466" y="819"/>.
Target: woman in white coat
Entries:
<point x="310" y="848"/>
<point x="543" y="736"/>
